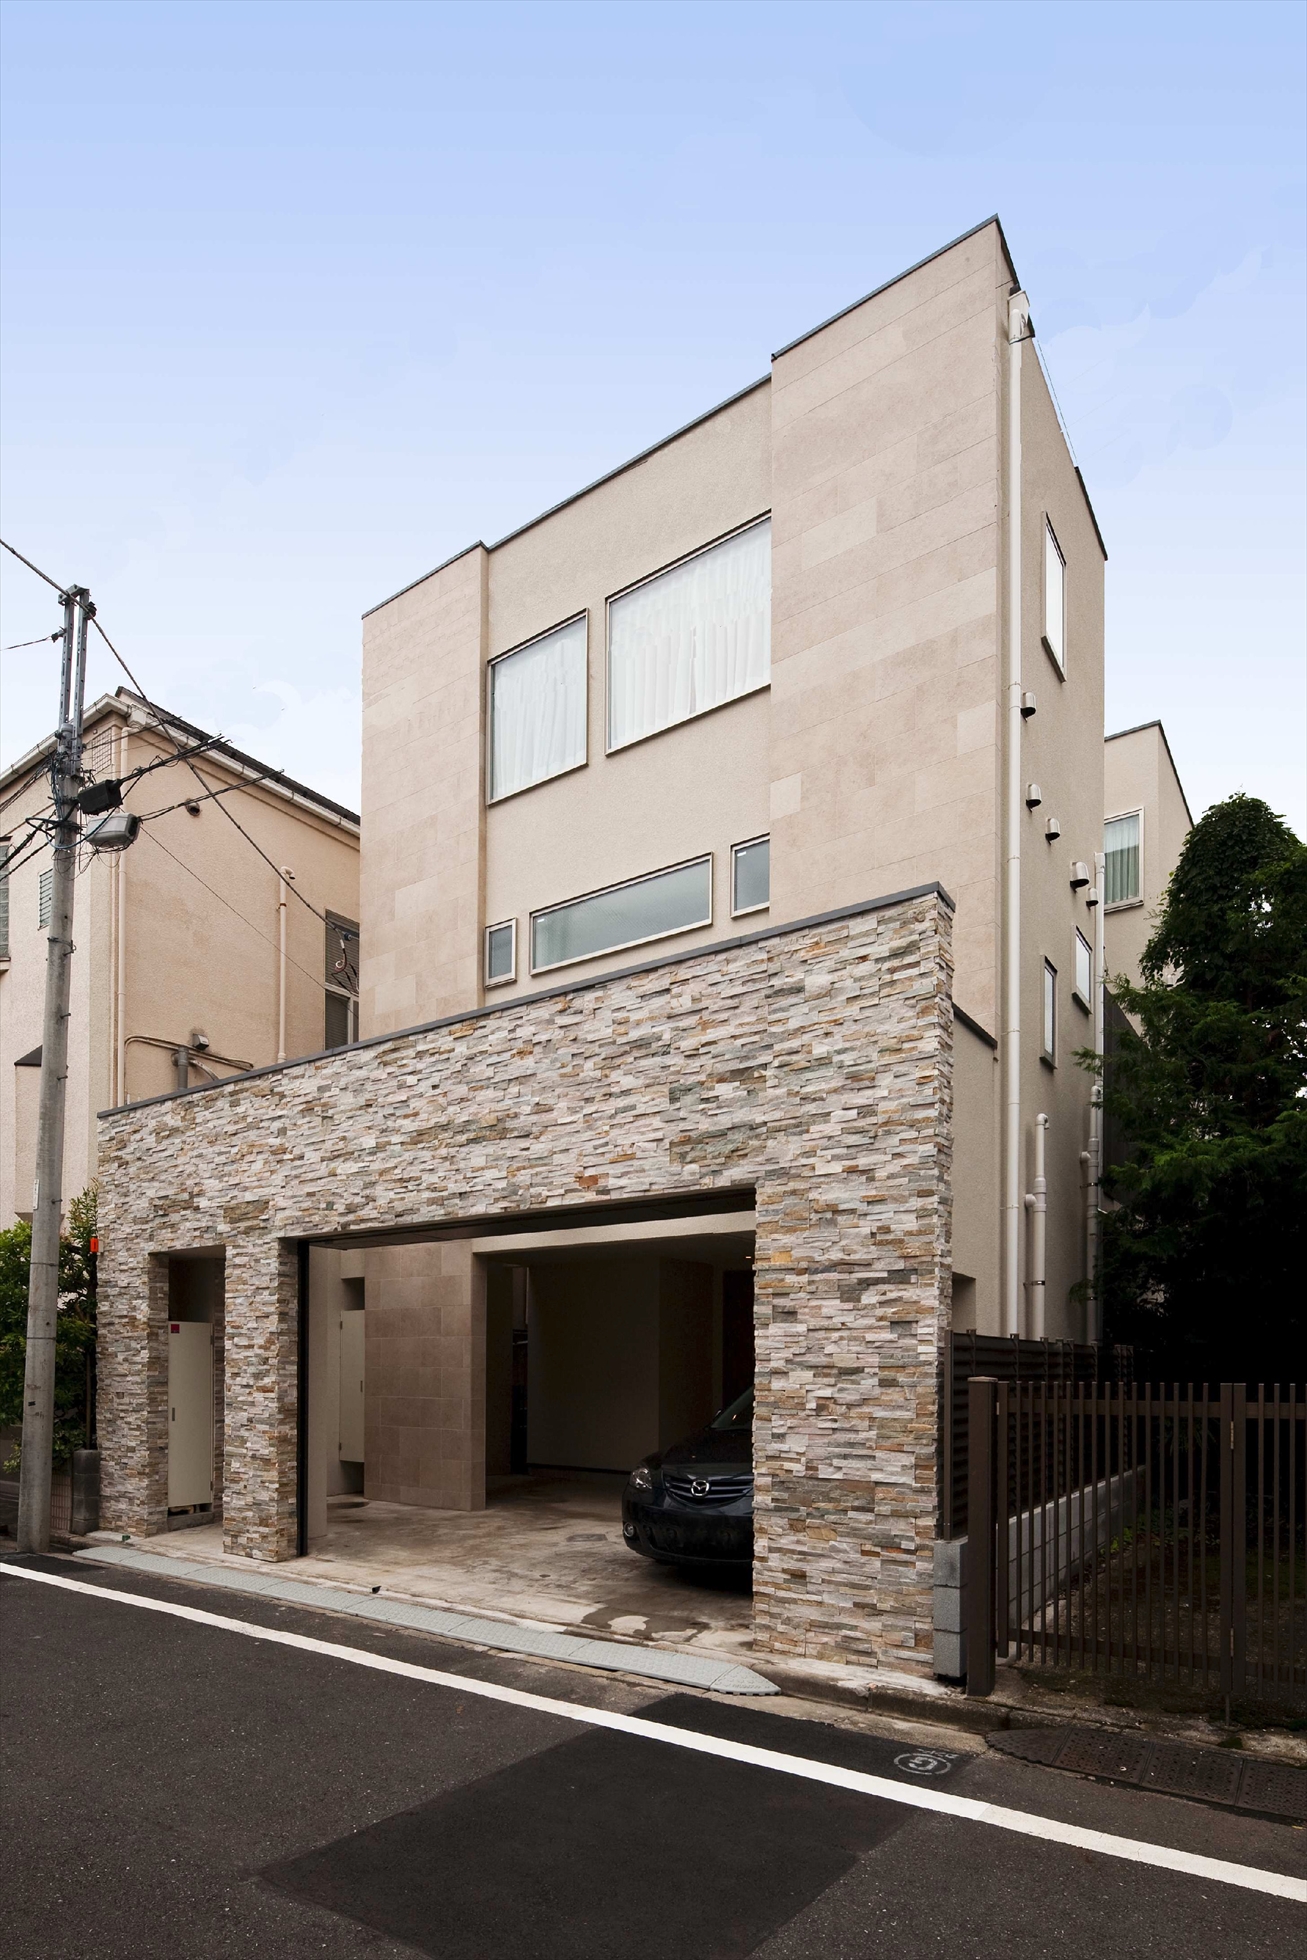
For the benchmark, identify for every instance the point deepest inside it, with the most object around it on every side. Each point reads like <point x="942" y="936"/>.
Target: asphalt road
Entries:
<point x="182" y="1790"/>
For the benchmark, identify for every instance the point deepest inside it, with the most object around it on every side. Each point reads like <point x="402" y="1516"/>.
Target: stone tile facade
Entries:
<point x="811" y="1063"/>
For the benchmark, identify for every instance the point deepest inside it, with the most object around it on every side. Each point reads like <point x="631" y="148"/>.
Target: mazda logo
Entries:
<point x="699" y="1487"/>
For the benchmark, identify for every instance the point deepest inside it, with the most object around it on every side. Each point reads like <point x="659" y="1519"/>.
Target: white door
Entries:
<point x="190" y="1413"/>
<point x="351" y="1386"/>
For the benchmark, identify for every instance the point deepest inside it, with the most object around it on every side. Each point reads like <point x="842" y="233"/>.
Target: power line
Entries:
<point x="44" y="639"/>
<point x="156" y="839"/>
<point x="52" y="583"/>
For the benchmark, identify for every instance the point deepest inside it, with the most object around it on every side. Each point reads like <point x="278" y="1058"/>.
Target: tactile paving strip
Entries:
<point x="1212" y="1776"/>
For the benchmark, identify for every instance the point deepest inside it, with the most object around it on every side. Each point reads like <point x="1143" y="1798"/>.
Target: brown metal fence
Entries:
<point x="1008" y="1358"/>
<point x="1154" y="1531"/>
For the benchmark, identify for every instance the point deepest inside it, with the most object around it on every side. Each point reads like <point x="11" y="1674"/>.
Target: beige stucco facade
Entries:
<point x="1141" y="778"/>
<point x="874" y="759"/>
<point x="176" y="937"/>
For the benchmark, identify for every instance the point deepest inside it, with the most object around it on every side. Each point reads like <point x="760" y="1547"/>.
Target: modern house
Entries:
<point x="729" y="918"/>
<point x="183" y="974"/>
<point x="1146" y="820"/>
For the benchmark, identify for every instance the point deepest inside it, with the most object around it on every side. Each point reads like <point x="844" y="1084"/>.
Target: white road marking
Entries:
<point x="917" y="1797"/>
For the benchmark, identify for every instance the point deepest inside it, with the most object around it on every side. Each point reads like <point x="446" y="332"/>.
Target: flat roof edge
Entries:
<point x="1138" y="729"/>
<point x="933" y="889"/>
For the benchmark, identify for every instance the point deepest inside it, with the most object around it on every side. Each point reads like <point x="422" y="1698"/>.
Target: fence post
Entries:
<point x="982" y="1391"/>
<point x="1234" y="1534"/>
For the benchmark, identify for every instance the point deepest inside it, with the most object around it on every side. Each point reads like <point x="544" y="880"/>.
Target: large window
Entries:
<point x="1054" y="598"/>
<point x="1121" y="841"/>
<point x="537" y="710"/>
<point x="675" y="900"/>
<point x="690" y="638"/>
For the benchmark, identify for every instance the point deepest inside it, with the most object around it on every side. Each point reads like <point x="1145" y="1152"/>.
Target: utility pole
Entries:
<point x="47" y="1199"/>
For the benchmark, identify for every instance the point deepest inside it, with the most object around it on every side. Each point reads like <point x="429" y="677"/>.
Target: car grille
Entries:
<point x="712" y="1491"/>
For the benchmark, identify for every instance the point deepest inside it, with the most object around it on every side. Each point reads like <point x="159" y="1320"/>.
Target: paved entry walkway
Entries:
<point x="547" y="1550"/>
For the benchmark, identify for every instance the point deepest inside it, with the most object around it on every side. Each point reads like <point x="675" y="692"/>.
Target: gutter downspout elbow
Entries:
<point x="1018" y="331"/>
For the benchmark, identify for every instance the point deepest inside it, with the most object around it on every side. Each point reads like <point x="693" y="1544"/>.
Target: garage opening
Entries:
<point x="477" y="1405"/>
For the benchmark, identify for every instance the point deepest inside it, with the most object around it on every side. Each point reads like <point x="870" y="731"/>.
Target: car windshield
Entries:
<point x="737" y="1414"/>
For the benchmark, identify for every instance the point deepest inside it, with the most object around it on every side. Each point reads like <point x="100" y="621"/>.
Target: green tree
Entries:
<point x="1204" y="1257"/>
<point x="75" y="1339"/>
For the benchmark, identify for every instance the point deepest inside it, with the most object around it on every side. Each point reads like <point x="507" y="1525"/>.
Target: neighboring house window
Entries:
<point x="1054" y="597"/>
<point x="750" y="876"/>
<point x="1050" y="1012"/>
<point x="675" y="900"/>
<point x="501" y="953"/>
<point x="691" y="637"/>
<point x="45" y="898"/>
<point x="537" y="710"/>
<point x="4" y="898"/>
<point x="1084" y="970"/>
<point x="342" y="981"/>
<point x="1121" y="842"/>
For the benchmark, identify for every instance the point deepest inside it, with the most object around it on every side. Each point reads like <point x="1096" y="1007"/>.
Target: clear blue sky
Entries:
<point x="301" y="298"/>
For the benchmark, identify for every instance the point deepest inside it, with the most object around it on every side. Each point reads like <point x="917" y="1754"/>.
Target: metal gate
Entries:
<point x="1147" y="1530"/>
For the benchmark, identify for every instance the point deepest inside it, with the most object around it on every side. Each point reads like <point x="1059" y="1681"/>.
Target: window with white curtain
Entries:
<point x="628" y="914"/>
<point x="1121" y="842"/>
<point x="691" y="637"/>
<point x="537" y="710"/>
<point x="1054" y="597"/>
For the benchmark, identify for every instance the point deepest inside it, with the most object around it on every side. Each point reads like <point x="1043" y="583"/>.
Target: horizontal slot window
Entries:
<point x="690" y="638"/>
<point x="537" y="710"/>
<point x="669" y="901"/>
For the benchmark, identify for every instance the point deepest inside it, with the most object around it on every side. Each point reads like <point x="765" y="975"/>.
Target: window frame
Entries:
<point x="348" y="994"/>
<point x="602" y="891"/>
<point x="746" y="844"/>
<point x="672" y="565"/>
<point x="495" y="660"/>
<point x="1077" y="994"/>
<point x="1051" y="543"/>
<point x="1124" y="904"/>
<point x="500" y="979"/>
<point x="1047" y="1014"/>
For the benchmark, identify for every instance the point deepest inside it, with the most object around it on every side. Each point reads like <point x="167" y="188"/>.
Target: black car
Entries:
<point x="692" y="1504"/>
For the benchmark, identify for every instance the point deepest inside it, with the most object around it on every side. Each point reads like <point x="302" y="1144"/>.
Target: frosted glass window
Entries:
<point x="1084" y="969"/>
<point x="1054" y="598"/>
<point x="691" y="638"/>
<point x="624" y="915"/>
<point x="751" y="875"/>
<point x="501" y="953"/>
<point x="1050" y="1011"/>
<point x="1121" y="849"/>
<point x="537" y="710"/>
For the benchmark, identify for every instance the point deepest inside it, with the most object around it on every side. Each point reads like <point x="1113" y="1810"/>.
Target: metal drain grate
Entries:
<point x="1213" y="1776"/>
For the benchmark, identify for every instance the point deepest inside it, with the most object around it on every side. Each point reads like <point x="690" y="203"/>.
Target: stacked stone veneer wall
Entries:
<point x="812" y="1063"/>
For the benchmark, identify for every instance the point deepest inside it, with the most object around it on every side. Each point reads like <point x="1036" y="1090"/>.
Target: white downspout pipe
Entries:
<point x="284" y="877"/>
<point x="1018" y="330"/>
<point x="1037" y="1204"/>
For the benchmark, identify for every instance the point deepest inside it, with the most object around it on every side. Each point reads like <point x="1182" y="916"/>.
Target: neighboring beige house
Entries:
<point x="178" y="976"/>
<point x="1147" y="819"/>
<point x="726" y="895"/>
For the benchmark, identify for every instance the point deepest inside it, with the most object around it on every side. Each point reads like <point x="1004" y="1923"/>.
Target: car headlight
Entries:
<point x="641" y="1478"/>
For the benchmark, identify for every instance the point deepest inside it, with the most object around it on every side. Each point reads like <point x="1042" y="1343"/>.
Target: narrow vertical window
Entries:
<point x="1121" y="842"/>
<point x="1050" y="1012"/>
<point x="501" y="953"/>
<point x="1054" y="597"/>
<point x="1084" y="969"/>
<point x="751" y="876"/>
<point x="342" y="982"/>
<point x="537" y="710"/>
<point x="45" y="898"/>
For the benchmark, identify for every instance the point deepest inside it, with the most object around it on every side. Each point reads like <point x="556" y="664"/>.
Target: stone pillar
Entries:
<point x="132" y="1389"/>
<point x="260" y="1398"/>
<point x="424" y="1375"/>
